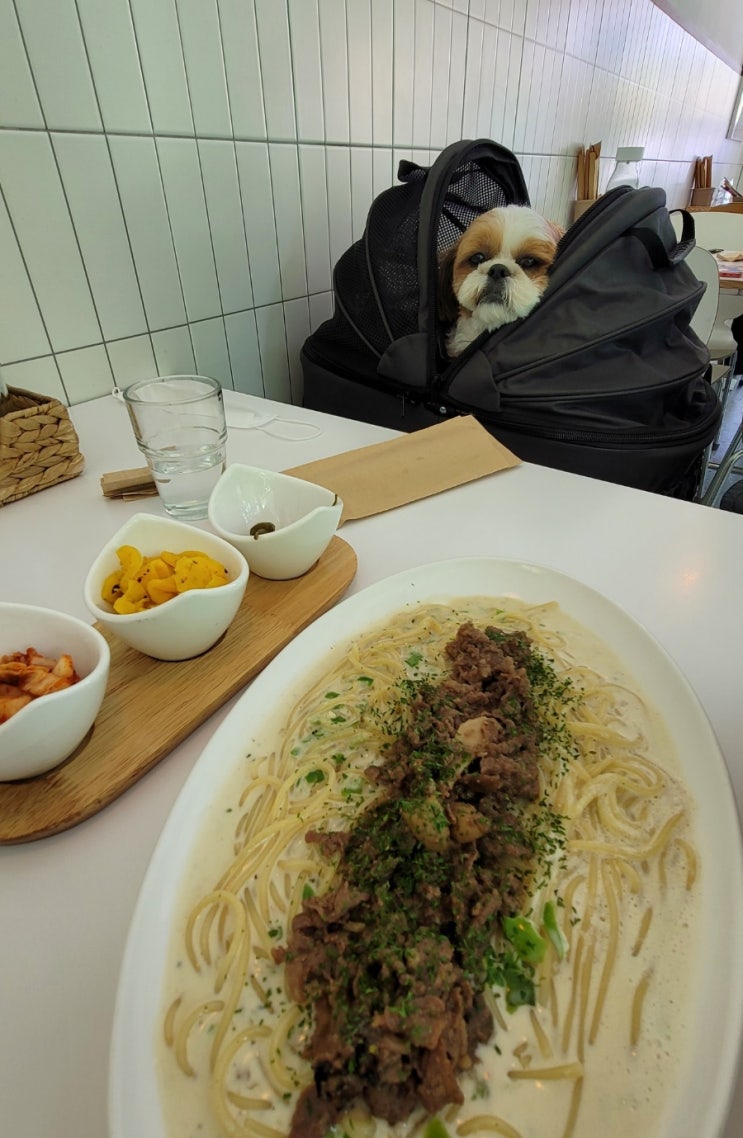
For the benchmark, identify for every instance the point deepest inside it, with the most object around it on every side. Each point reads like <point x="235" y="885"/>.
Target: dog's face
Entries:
<point x="497" y="271"/>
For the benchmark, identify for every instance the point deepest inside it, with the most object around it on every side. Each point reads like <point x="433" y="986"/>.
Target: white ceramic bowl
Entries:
<point x="47" y="730"/>
<point x="191" y="622"/>
<point x="300" y="519"/>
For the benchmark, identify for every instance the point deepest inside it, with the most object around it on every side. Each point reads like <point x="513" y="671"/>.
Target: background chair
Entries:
<point x="704" y="266"/>
<point x="718" y="338"/>
<point x="714" y="492"/>
<point x="719" y="228"/>
<point x="715" y="228"/>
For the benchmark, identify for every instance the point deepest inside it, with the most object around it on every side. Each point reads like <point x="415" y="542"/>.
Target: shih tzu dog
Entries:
<point x="496" y="273"/>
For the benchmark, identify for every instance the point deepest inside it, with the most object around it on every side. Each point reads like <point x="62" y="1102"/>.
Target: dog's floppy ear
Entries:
<point x="556" y="230"/>
<point x="448" y="305"/>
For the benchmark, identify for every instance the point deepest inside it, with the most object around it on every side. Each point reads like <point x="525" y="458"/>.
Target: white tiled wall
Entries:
<point x="178" y="177"/>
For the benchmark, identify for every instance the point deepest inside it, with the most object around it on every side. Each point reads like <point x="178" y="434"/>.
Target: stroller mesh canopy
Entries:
<point x="473" y="190"/>
<point x="377" y="285"/>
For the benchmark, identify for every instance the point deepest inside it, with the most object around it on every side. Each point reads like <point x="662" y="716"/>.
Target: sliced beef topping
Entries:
<point x="393" y="960"/>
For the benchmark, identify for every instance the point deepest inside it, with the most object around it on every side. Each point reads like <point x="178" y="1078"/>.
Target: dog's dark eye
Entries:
<point x="477" y="259"/>
<point x="528" y="262"/>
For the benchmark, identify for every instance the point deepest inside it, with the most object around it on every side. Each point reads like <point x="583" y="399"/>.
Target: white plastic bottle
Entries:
<point x="627" y="169"/>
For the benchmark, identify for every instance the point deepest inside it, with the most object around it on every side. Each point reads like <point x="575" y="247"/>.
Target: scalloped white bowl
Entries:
<point x="191" y="622"/>
<point x="47" y="730"/>
<point x="301" y="515"/>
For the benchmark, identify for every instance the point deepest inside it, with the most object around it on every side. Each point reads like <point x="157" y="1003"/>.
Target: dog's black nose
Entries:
<point x="498" y="272"/>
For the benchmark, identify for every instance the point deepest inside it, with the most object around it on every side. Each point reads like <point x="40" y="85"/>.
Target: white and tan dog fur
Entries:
<point x="496" y="273"/>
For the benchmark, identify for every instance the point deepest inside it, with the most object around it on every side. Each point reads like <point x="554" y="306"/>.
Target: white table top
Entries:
<point x="66" y="901"/>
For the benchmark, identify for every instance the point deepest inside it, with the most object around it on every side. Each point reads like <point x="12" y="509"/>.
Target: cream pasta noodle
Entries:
<point x="568" y="990"/>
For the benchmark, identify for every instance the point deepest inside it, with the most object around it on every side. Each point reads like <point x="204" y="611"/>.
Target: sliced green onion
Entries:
<point x="529" y="945"/>
<point x="553" y="930"/>
<point x="520" y="989"/>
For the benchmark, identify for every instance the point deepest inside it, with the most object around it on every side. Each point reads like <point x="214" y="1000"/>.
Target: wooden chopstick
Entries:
<point x="588" y="172"/>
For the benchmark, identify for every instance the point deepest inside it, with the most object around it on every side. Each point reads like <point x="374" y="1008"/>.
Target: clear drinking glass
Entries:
<point x="180" y="428"/>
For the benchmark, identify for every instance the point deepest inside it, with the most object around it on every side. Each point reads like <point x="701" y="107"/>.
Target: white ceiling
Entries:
<point x="718" y="24"/>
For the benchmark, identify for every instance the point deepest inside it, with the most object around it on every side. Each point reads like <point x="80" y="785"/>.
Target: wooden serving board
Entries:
<point x="150" y="705"/>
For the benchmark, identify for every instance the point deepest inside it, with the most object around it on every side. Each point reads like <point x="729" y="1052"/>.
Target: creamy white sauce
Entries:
<point x="626" y="1089"/>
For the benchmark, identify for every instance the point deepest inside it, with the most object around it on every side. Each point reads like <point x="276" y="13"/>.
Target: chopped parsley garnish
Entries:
<point x="439" y="866"/>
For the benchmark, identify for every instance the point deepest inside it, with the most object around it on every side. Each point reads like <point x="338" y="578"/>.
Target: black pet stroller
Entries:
<point x="605" y="377"/>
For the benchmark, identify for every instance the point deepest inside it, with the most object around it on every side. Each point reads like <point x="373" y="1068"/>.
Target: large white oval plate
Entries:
<point x="705" y="1087"/>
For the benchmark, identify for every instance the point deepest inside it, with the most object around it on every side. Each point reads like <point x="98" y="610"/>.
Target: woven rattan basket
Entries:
<point x="38" y="444"/>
